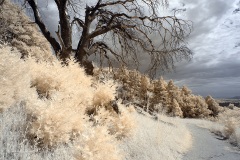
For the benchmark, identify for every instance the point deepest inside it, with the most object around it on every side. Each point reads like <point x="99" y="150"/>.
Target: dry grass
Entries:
<point x="14" y="75"/>
<point x="156" y="140"/>
<point x="16" y="29"/>
<point x="14" y="143"/>
<point x="56" y="101"/>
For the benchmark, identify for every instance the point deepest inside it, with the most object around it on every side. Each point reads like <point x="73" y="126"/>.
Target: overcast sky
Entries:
<point x="215" y="41"/>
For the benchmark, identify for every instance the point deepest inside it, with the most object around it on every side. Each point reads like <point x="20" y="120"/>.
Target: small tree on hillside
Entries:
<point x="200" y="108"/>
<point x="176" y="109"/>
<point x="117" y="31"/>
<point x="185" y="91"/>
<point x="187" y="101"/>
<point x="160" y="95"/>
<point x="173" y="98"/>
<point x="144" y="89"/>
<point x="193" y="106"/>
<point x="173" y="91"/>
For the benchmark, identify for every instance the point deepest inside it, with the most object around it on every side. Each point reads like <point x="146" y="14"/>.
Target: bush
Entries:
<point x="212" y="105"/>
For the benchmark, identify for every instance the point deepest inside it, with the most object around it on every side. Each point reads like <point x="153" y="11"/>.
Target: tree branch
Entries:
<point x="60" y="38"/>
<point x="115" y="3"/>
<point x="106" y="29"/>
<point x="79" y="21"/>
<point x="42" y="26"/>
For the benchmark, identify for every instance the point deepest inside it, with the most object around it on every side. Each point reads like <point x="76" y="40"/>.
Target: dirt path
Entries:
<point x="207" y="147"/>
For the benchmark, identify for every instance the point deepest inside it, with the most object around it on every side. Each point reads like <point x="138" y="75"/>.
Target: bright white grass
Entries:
<point x="160" y="139"/>
<point x="13" y="141"/>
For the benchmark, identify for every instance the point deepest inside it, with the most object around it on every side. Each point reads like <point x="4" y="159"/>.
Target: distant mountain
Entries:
<point x="236" y="97"/>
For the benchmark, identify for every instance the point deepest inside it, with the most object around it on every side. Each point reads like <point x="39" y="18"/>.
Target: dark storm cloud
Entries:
<point x="214" y="68"/>
<point x="205" y="13"/>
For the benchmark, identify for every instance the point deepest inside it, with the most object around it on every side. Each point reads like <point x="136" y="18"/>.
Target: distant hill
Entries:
<point x="236" y="97"/>
<point x="226" y="101"/>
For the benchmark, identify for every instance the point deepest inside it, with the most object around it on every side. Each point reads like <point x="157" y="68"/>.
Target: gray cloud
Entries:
<point x="215" y="66"/>
<point x="205" y="14"/>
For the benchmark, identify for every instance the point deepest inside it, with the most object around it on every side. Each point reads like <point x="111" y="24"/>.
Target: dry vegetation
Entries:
<point x="164" y="138"/>
<point x="19" y="32"/>
<point x="61" y="107"/>
<point x="156" y="96"/>
<point x="229" y="125"/>
<point x="58" y="111"/>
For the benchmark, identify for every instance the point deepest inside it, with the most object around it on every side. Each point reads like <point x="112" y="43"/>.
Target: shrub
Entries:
<point x="96" y="144"/>
<point x="212" y="105"/>
<point x="104" y="94"/>
<point x="231" y="106"/>
<point x="229" y="119"/>
<point x="229" y="128"/>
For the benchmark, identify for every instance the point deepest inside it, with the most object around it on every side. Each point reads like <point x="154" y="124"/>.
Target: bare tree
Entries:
<point x="117" y="31"/>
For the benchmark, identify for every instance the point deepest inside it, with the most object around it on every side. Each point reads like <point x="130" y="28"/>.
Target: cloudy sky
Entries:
<point x="215" y="41"/>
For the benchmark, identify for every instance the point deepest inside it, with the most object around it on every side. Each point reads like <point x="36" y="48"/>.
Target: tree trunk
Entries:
<point x="66" y="30"/>
<point x="88" y="66"/>
<point x="65" y="54"/>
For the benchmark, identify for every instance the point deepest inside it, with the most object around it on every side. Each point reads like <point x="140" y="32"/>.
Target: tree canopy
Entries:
<point x="117" y="31"/>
